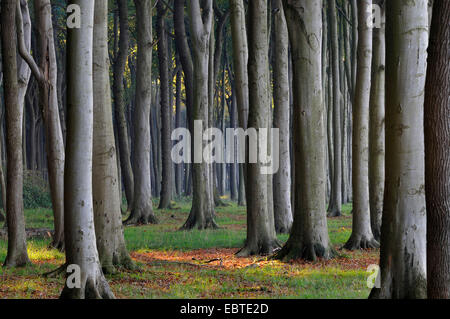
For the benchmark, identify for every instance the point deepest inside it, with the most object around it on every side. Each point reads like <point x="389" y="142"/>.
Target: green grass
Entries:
<point x="167" y="270"/>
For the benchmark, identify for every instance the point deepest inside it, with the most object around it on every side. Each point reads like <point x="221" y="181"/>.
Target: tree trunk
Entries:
<point x="362" y="236"/>
<point x="81" y="247"/>
<point x="17" y="246"/>
<point x="261" y="237"/>
<point x="403" y="229"/>
<point x="309" y="236"/>
<point x="119" y="103"/>
<point x="437" y="159"/>
<point x="142" y="212"/>
<point x="107" y="213"/>
<point x="178" y="124"/>
<point x="240" y="61"/>
<point x="202" y="211"/>
<point x="334" y="208"/>
<point x="166" y="109"/>
<point x="48" y="100"/>
<point x="376" y="126"/>
<point x="234" y="166"/>
<point x="282" y="178"/>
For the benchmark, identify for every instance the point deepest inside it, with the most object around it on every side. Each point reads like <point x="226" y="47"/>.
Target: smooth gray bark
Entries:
<point x="334" y="207"/>
<point x="377" y="126"/>
<point x="142" y="211"/>
<point x="81" y="247"/>
<point x="166" y="109"/>
<point x="106" y="196"/>
<point x="202" y="211"/>
<point x="403" y="230"/>
<point x="281" y="120"/>
<point x="309" y="236"/>
<point x="17" y="247"/>
<point x="362" y="237"/>
<point x="261" y="236"/>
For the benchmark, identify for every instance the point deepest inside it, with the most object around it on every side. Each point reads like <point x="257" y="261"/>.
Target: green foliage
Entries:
<point x="36" y="192"/>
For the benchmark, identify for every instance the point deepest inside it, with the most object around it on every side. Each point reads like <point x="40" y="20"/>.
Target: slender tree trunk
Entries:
<point x="261" y="237"/>
<point x="362" y="236"/>
<point x="309" y="236"/>
<point x="437" y="159"/>
<point x="334" y="208"/>
<point x="240" y="60"/>
<point x="142" y="212"/>
<point x="119" y="103"/>
<point x="166" y="109"/>
<point x="281" y="179"/>
<point x="234" y="167"/>
<point x="376" y="126"/>
<point x="17" y="246"/>
<point x="178" y="124"/>
<point x="202" y="211"/>
<point x="81" y="247"/>
<point x="107" y="213"/>
<point x="403" y="230"/>
<point x="48" y="100"/>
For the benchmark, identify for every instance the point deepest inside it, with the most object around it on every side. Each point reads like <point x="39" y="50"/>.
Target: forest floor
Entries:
<point x="199" y="264"/>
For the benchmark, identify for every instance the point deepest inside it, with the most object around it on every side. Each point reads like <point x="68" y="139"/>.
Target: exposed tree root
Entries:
<point x="306" y="251"/>
<point x="361" y="242"/>
<point x="55" y="273"/>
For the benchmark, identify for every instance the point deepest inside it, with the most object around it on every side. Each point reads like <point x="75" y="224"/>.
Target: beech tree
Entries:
<point x="240" y="59"/>
<point x="81" y="247"/>
<point x="106" y="196"/>
<point x="166" y="108"/>
<point x="17" y="246"/>
<point x="261" y="238"/>
<point x="142" y="212"/>
<point x="202" y="211"/>
<point x="437" y="160"/>
<point x="334" y="207"/>
<point x="309" y="236"/>
<point x="281" y="179"/>
<point x="120" y="60"/>
<point x="376" y="125"/>
<point x="46" y="74"/>
<point x="362" y="236"/>
<point x="403" y="229"/>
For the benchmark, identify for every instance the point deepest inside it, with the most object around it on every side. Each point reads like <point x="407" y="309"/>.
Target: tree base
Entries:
<point x="263" y="249"/>
<point x="334" y="213"/>
<point x="16" y="261"/>
<point x="282" y="229"/>
<point x="293" y="251"/>
<point x="361" y="242"/>
<point x="123" y="262"/>
<point x="57" y="244"/>
<point x="193" y="223"/>
<point x="94" y="287"/>
<point x="142" y="216"/>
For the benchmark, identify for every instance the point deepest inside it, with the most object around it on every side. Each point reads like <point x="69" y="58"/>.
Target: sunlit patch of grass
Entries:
<point x="37" y="253"/>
